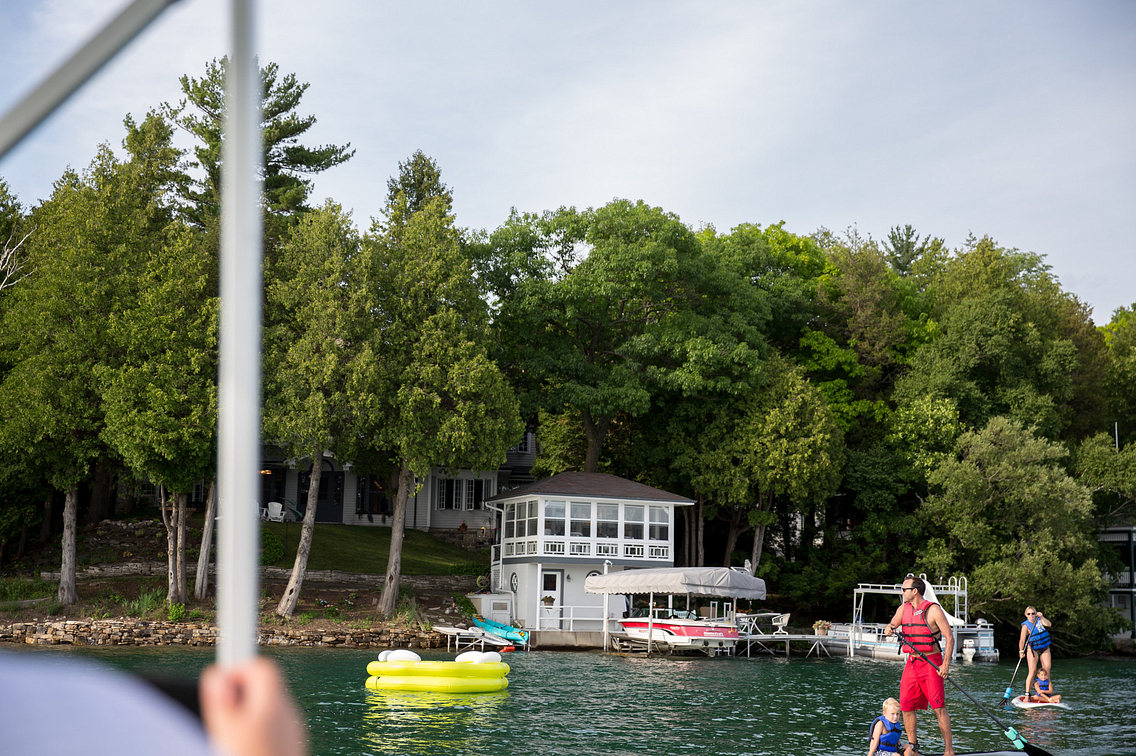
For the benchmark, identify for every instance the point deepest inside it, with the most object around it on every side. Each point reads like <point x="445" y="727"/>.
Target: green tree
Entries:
<point x="1006" y="514"/>
<point x="1120" y="340"/>
<point x="160" y="401"/>
<point x="92" y="237"/>
<point x="287" y="161"/>
<point x="644" y="312"/>
<point x="319" y="362"/>
<point x="443" y="402"/>
<point x="12" y="237"/>
<point x="1003" y="344"/>
<point x="1110" y="473"/>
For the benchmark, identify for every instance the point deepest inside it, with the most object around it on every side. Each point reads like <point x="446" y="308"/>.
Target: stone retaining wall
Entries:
<point x="464" y="583"/>
<point x="135" y="632"/>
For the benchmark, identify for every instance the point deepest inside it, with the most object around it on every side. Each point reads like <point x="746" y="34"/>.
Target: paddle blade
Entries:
<point x="1033" y="750"/>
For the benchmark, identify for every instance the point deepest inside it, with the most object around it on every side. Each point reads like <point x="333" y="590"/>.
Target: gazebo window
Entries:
<point x="633" y="522"/>
<point x="510" y="519"/>
<point x="581" y="519"/>
<point x="554" y="518"/>
<point x="533" y="518"/>
<point x="660" y="524"/>
<point x="607" y="520"/>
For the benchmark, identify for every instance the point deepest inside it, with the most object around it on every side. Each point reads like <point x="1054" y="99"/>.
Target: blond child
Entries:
<point x="1043" y="689"/>
<point x="886" y="730"/>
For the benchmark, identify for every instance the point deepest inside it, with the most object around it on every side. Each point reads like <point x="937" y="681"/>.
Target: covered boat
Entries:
<point x="972" y="641"/>
<point x="666" y="627"/>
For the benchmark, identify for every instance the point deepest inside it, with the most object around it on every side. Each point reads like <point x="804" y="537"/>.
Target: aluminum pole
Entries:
<point x="74" y="73"/>
<point x="238" y="448"/>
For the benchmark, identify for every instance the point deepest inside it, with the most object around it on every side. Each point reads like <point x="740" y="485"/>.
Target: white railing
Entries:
<point x="577" y="547"/>
<point x="566" y="617"/>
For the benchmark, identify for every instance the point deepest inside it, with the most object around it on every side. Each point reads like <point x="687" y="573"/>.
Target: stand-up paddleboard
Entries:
<point x="1024" y="703"/>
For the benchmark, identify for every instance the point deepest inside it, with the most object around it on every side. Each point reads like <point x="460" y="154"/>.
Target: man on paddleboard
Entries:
<point x="924" y="625"/>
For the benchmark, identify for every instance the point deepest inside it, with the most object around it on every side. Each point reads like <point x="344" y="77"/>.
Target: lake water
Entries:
<point x="589" y="704"/>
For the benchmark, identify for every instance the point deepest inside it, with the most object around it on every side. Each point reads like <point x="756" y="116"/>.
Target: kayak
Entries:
<point x="1023" y="703"/>
<point x="508" y="632"/>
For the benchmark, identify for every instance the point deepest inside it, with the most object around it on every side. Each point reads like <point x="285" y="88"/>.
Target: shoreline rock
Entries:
<point x="138" y="632"/>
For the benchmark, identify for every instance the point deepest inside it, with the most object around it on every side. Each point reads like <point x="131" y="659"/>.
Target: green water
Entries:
<point x="584" y="704"/>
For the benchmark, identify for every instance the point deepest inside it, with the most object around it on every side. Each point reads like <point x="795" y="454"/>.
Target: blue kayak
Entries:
<point x="508" y="632"/>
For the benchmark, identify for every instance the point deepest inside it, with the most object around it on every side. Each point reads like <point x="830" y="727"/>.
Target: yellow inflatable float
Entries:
<point x="471" y="672"/>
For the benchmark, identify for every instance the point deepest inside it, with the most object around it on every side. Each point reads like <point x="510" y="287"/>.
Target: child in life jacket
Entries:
<point x="886" y="730"/>
<point x="1043" y="690"/>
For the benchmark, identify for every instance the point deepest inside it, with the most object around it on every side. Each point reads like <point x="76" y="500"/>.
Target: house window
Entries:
<point x="371" y="496"/>
<point x="449" y="494"/>
<point x="607" y="521"/>
<point x="522" y="446"/>
<point x="660" y="524"/>
<point x="581" y="519"/>
<point x="554" y="518"/>
<point x="633" y="522"/>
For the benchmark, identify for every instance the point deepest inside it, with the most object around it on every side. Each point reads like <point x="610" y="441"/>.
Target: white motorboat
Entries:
<point x="972" y="641"/>
<point x="677" y="631"/>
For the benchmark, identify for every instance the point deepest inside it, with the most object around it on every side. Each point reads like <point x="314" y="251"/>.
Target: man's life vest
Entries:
<point x="1038" y="638"/>
<point x="889" y="741"/>
<point x="917" y="633"/>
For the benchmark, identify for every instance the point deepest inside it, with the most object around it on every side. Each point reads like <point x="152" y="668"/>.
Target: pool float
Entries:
<point x="471" y="672"/>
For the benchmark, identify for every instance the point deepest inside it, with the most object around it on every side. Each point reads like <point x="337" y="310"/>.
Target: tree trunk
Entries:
<point x="291" y="595"/>
<point x="595" y="429"/>
<point x="179" y="563"/>
<point x="388" y="601"/>
<point x="23" y="540"/>
<point x="45" y="528"/>
<point x="128" y="499"/>
<point x="201" y="583"/>
<point x="735" y="529"/>
<point x="700" y="527"/>
<point x="169" y="520"/>
<point x="67" y="593"/>
<point x="101" y="489"/>
<point x="763" y="503"/>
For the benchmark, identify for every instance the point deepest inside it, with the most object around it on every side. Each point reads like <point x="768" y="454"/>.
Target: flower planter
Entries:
<point x="822" y="631"/>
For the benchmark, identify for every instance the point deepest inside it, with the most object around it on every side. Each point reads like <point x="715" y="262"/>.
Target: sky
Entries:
<point x="1015" y="119"/>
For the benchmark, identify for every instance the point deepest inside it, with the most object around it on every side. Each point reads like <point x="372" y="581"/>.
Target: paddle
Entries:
<point x="1018" y="740"/>
<point x="1010" y="687"/>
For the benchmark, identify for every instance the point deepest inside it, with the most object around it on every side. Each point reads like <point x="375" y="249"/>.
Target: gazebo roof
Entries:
<point x="593" y="486"/>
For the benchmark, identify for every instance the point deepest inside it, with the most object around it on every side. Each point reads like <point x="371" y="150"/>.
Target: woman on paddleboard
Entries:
<point x="1034" y="643"/>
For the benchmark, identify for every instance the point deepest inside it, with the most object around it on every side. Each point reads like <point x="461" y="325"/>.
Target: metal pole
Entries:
<point x="239" y="375"/>
<point x="73" y="74"/>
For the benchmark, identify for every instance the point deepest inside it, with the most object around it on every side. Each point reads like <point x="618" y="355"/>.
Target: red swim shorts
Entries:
<point x="921" y="687"/>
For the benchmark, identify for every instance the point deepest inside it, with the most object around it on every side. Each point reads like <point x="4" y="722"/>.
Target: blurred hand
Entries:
<point x="248" y="711"/>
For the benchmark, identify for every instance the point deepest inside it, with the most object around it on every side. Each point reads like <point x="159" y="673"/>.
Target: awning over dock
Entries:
<point x="697" y="581"/>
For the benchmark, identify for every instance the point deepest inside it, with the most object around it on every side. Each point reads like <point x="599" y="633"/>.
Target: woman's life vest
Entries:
<point x="889" y="741"/>
<point x="1038" y="638"/>
<point x="917" y="633"/>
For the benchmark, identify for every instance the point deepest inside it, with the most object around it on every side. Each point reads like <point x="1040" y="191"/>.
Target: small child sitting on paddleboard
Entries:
<point x="886" y="730"/>
<point x="1043" y="690"/>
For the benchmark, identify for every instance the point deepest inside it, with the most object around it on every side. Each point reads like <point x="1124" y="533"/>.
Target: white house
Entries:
<point x="555" y="532"/>
<point x="445" y="501"/>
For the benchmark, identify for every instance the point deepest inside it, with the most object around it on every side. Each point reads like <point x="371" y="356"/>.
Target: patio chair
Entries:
<point x="780" y="622"/>
<point x="275" y="511"/>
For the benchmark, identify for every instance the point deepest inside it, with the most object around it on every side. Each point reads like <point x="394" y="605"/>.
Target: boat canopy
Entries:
<point x="702" y="581"/>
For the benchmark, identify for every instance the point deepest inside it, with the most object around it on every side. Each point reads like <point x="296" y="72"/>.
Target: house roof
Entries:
<point x="593" y="486"/>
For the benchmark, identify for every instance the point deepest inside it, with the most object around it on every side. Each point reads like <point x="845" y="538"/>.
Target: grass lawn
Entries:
<point x="351" y="548"/>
